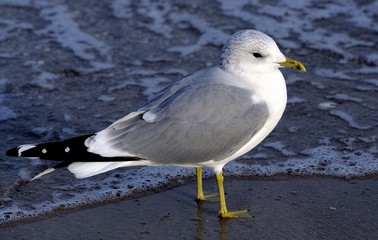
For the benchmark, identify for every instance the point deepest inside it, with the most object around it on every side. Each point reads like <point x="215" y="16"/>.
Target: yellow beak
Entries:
<point x="291" y="63"/>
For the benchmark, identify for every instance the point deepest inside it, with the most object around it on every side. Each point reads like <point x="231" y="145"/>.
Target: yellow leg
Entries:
<point x="223" y="212"/>
<point x="200" y="195"/>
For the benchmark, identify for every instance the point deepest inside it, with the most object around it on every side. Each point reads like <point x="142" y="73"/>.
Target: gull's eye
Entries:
<point x="257" y="55"/>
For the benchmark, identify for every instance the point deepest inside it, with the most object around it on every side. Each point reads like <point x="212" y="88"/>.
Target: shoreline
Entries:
<point x="283" y="208"/>
<point x="62" y="210"/>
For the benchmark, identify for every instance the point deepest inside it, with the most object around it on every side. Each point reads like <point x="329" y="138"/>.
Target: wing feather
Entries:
<point x="189" y="123"/>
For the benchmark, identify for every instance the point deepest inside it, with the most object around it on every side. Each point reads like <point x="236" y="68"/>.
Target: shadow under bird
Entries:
<point x="205" y="119"/>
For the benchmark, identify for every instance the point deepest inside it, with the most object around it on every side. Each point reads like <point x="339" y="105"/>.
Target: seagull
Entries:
<point x="203" y="120"/>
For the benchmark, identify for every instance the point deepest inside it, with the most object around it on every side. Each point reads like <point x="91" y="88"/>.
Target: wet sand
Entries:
<point x="282" y="208"/>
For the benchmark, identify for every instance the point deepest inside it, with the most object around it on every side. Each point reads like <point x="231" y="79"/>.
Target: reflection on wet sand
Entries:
<point x="201" y="224"/>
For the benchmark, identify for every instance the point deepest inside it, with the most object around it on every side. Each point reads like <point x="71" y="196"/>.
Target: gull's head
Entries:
<point x="253" y="52"/>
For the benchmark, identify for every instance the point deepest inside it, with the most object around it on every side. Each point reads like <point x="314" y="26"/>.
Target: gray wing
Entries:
<point x="196" y="123"/>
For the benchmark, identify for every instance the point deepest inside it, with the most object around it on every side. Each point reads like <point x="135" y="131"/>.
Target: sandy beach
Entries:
<point x="283" y="208"/>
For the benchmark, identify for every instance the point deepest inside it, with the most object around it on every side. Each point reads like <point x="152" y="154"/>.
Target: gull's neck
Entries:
<point x="246" y="70"/>
<point x="268" y="87"/>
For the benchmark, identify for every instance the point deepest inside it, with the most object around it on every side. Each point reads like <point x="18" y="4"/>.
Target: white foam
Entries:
<point x="321" y="160"/>
<point x="269" y="17"/>
<point x="43" y="80"/>
<point x="106" y="98"/>
<point x="280" y="147"/>
<point x="208" y="34"/>
<point x="8" y="26"/>
<point x="327" y="105"/>
<point x="372" y="81"/>
<point x="295" y="100"/>
<point x="156" y="11"/>
<point x="344" y="97"/>
<point x="63" y="29"/>
<point x="151" y="85"/>
<point x="349" y="119"/>
<point x="122" y="9"/>
<point x="331" y="73"/>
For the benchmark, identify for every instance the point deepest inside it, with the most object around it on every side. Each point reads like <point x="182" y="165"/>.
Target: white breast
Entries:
<point x="272" y="91"/>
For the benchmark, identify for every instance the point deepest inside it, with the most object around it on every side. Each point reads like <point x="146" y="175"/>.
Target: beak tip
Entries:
<point x="291" y="63"/>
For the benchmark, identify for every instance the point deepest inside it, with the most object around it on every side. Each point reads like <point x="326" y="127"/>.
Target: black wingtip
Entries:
<point x="13" y="152"/>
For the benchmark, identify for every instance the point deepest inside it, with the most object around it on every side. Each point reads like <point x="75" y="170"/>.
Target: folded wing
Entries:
<point x="194" y="124"/>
